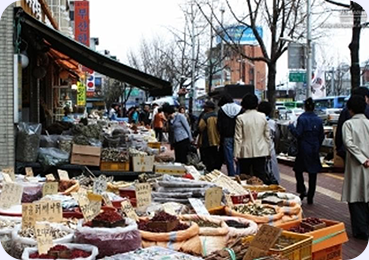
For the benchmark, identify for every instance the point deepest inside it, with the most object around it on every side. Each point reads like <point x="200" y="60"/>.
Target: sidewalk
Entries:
<point x="326" y="205"/>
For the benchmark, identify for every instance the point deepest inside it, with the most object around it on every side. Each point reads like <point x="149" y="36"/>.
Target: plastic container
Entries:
<point x="114" y="166"/>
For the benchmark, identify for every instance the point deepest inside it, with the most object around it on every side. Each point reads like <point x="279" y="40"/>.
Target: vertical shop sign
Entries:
<point x="82" y="22"/>
<point x="81" y="94"/>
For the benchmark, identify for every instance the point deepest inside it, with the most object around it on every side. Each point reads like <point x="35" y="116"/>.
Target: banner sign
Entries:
<point x="82" y="22"/>
<point x="81" y="94"/>
<point x="241" y="34"/>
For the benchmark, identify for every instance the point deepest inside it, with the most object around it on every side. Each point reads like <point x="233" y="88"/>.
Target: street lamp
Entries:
<point x="222" y="10"/>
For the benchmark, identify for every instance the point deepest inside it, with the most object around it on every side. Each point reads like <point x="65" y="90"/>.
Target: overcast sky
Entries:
<point x="121" y="25"/>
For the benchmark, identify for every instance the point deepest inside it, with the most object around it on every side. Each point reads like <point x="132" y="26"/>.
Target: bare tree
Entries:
<point x="116" y="91"/>
<point x="357" y="12"/>
<point x="283" y="18"/>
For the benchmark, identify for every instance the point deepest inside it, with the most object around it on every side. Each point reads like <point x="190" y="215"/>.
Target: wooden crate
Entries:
<point x="114" y="167"/>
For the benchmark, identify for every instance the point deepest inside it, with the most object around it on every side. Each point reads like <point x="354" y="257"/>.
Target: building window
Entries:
<point x="71" y="15"/>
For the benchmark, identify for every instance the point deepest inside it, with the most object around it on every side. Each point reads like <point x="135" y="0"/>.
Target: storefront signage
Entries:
<point x="81" y="94"/>
<point x="82" y="22"/>
<point x="35" y="7"/>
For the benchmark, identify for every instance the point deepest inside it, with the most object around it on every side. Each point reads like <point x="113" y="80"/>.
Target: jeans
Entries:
<point x="228" y="145"/>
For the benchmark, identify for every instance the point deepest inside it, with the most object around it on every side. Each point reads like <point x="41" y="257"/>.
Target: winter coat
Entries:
<point x="252" y="135"/>
<point x="309" y="132"/>
<point x="356" y="183"/>
<point x="209" y="135"/>
<point x="227" y="115"/>
<point x="179" y="129"/>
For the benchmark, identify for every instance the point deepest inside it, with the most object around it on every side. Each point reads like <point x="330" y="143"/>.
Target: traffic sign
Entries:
<point x="297" y="76"/>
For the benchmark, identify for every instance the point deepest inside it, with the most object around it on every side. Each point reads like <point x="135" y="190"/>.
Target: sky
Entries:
<point x="121" y="26"/>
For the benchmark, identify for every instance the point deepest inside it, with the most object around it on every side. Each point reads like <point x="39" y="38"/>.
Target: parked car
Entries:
<point x="329" y="116"/>
<point x="280" y="111"/>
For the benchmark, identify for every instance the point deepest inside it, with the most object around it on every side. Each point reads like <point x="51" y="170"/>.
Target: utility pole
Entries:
<point x="222" y="10"/>
<point x="309" y="56"/>
<point x="332" y="82"/>
<point x="193" y="60"/>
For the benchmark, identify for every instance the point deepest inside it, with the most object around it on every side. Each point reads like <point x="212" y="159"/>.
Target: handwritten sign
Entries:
<point x="90" y="208"/>
<point x="128" y="210"/>
<point x="6" y="177"/>
<point x="266" y="237"/>
<point x="49" y="210"/>
<point x="199" y="207"/>
<point x="143" y="194"/>
<point x="50" y="177"/>
<point x="10" y="171"/>
<point x="100" y="184"/>
<point x="63" y="175"/>
<point x="255" y="253"/>
<point x="29" y="172"/>
<point x="28" y="215"/>
<point x="50" y="188"/>
<point x="11" y="195"/>
<point x="107" y="199"/>
<point x="213" y="197"/>
<point x="44" y="237"/>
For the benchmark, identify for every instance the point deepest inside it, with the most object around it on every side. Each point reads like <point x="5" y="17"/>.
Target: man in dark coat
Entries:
<point x="344" y="116"/>
<point x="310" y="135"/>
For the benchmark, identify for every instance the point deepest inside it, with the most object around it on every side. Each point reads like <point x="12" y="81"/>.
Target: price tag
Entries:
<point x="50" y="188"/>
<point x="28" y="215"/>
<point x="90" y="208"/>
<point x="229" y="201"/>
<point x="11" y="195"/>
<point x="129" y="210"/>
<point x="193" y="171"/>
<point x="50" y="177"/>
<point x="100" y="184"/>
<point x="6" y="177"/>
<point x="63" y="175"/>
<point x="44" y="237"/>
<point x="49" y="210"/>
<point x="107" y="199"/>
<point x="199" y="207"/>
<point x="143" y="194"/>
<point x="266" y="237"/>
<point x="213" y="197"/>
<point x="10" y="171"/>
<point x="29" y="172"/>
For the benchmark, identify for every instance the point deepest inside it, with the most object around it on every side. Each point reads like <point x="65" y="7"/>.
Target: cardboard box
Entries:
<point x="333" y="234"/>
<point x="143" y="163"/>
<point x="85" y="155"/>
<point x="171" y="169"/>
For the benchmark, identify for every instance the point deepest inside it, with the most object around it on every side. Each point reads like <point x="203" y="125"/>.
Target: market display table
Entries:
<point x="75" y="170"/>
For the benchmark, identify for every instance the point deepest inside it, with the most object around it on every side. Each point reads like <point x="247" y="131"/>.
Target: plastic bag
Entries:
<point x="110" y="241"/>
<point x="53" y="157"/>
<point x="258" y="219"/>
<point x="20" y="243"/>
<point x="65" y="143"/>
<point x="6" y="231"/>
<point x="28" y="141"/>
<point x="49" y="141"/>
<point x="31" y="191"/>
<point x="88" y="248"/>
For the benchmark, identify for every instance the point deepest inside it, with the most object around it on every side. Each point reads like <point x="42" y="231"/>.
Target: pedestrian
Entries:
<point x="155" y="108"/>
<point x="145" y="116"/>
<point x="356" y="183"/>
<point x="344" y="116"/>
<point x="134" y="116"/>
<point x="309" y="133"/>
<point x="226" y="125"/>
<point x="209" y="138"/>
<point x="182" y="110"/>
<point x="252" y="139"/>
<point x="159" y="124"/>
<point x="180" y="137"/>
<point x="272" y="163"/>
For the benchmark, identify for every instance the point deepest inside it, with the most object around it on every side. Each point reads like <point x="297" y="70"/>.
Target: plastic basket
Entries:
<point x="154" y="145"/>
<point x="302" y="250"/>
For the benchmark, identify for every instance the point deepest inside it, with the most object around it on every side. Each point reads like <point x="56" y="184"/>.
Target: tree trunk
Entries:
<point x="355" y="45"/>
<point x="272" y="72"/>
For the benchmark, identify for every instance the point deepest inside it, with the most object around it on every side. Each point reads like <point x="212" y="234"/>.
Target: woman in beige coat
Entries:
<point x="356" y="183"/>
<point x="252" y="143"/>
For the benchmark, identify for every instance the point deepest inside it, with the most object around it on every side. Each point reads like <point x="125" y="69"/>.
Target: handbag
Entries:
<point x="293" y="148"/>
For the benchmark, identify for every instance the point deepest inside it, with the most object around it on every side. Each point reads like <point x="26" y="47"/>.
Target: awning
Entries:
<point x="94" y="60"/>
